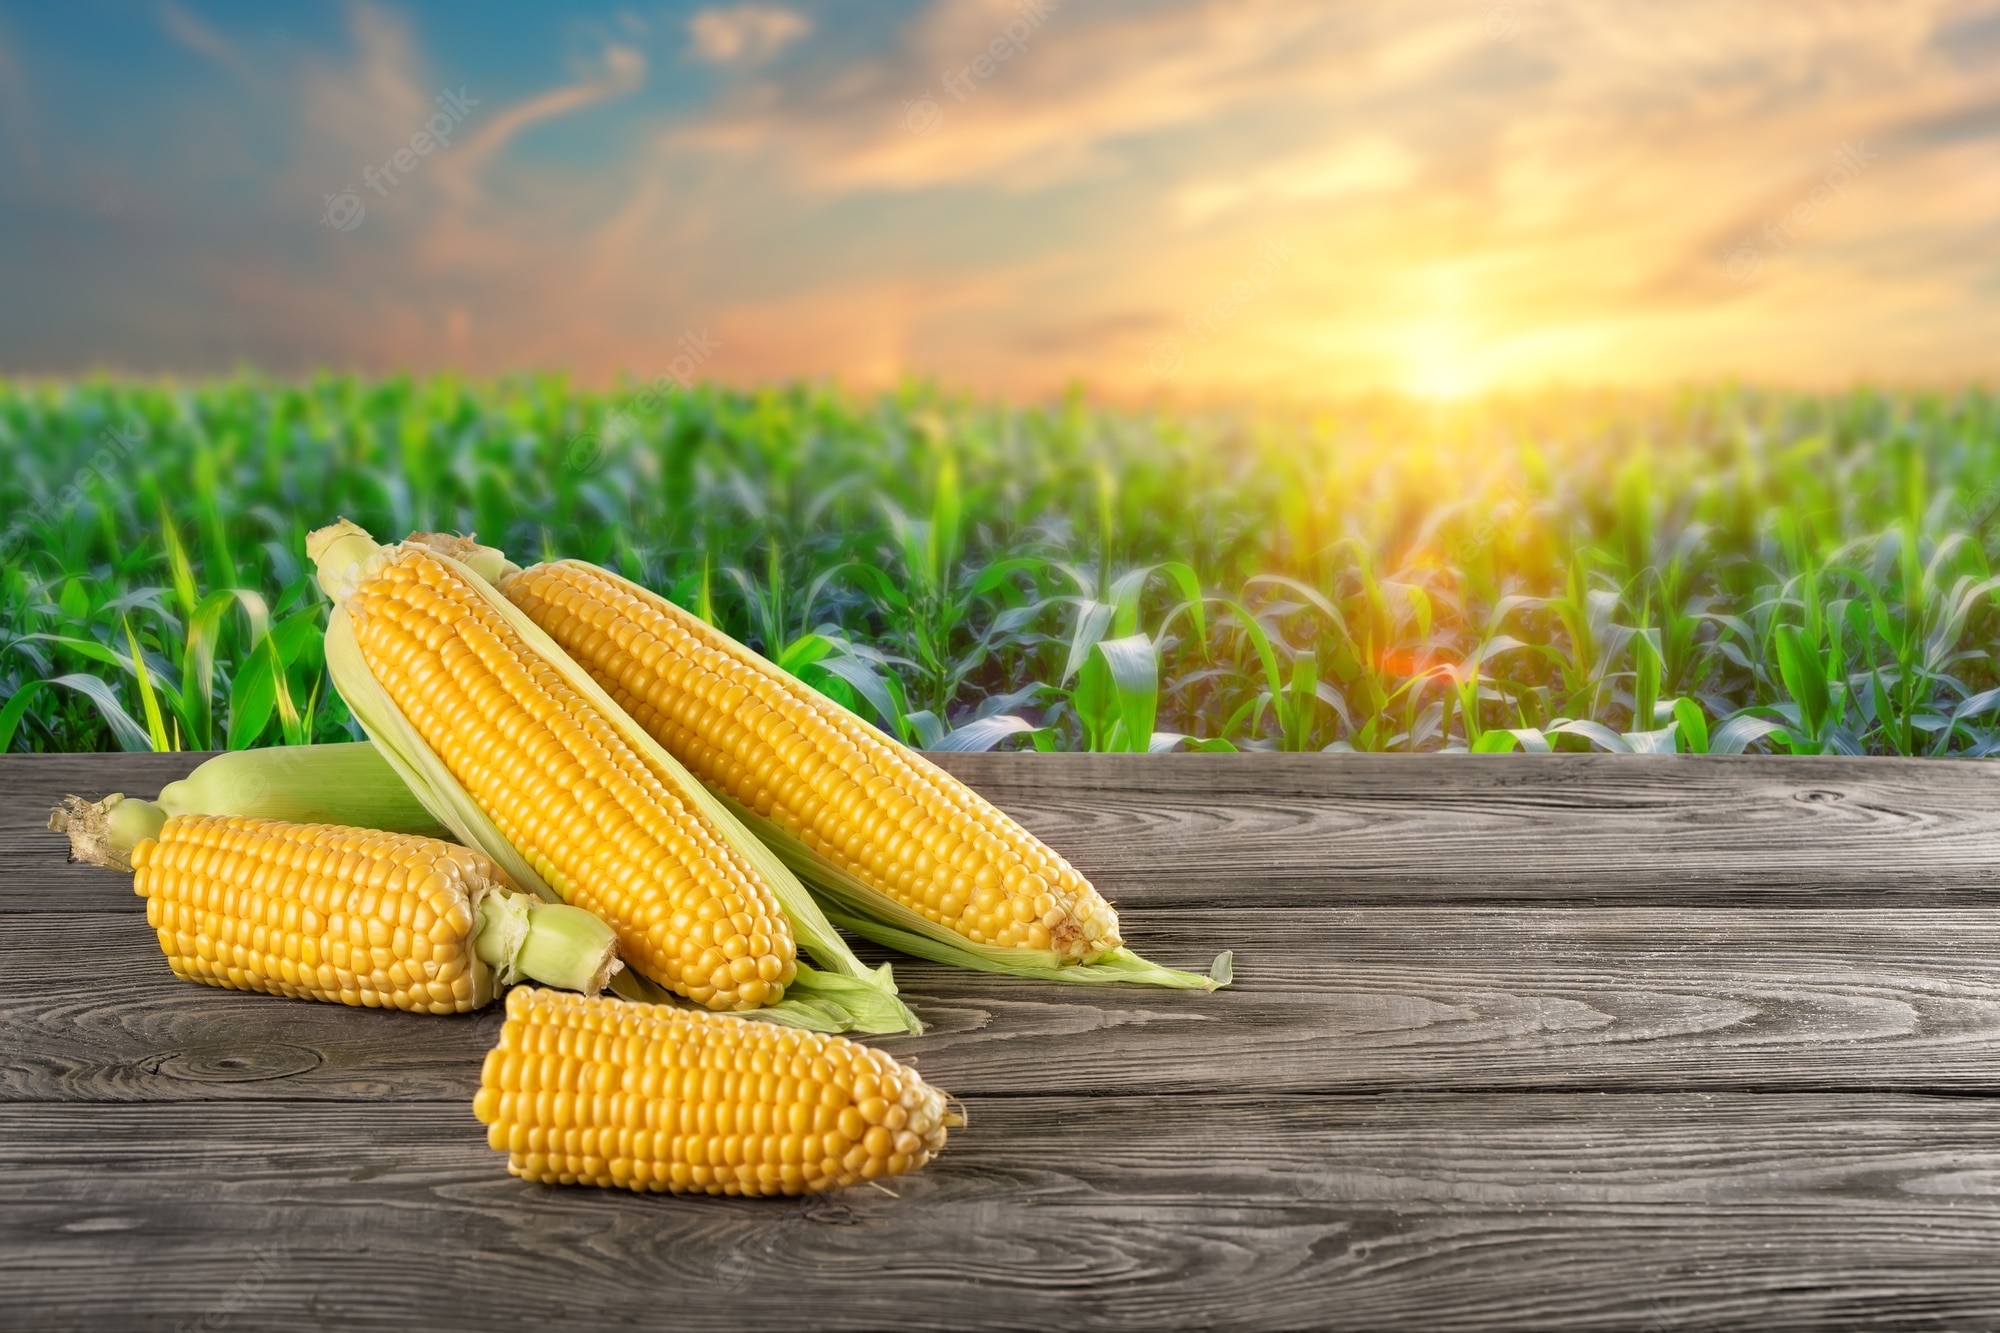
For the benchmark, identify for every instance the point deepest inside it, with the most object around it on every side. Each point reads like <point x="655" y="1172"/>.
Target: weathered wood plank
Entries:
<point x="1556" y="1211"/>
<point x="1190" y="830"/>
<point x="1354" y="829"/>
<point x="1398" y="1118"/>
<point x="1328" y="1000"/>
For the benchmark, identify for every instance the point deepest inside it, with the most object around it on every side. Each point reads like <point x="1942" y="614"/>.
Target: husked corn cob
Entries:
<point x="589" y="814"/>
<point x="646" y="1097"/>
<point x="326" y="912"/>
<point x="877" y="810"/>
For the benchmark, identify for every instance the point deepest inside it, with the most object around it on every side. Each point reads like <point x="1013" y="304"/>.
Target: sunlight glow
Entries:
<point x="1439" y="363"/>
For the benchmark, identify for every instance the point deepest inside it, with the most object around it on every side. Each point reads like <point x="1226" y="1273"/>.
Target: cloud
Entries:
<point x="1558" y="200"/>
<point x="624" y="72"/>
<point x="1363" y="166"/>
<point x="745" y="34"/>
<point x="1060" y="83"/>
<point x="196" y="36"/>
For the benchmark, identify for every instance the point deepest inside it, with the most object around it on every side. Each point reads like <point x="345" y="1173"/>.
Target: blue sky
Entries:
<point x="1181" y="199"/>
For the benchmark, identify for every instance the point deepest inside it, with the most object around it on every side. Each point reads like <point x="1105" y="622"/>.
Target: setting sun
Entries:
<point x="1441" y="363"/>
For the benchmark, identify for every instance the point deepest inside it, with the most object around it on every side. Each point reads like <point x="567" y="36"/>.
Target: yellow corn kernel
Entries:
<point x="651" y="1098"/>
<point x="605" y="830"/>
<point x="871" y="806"/>
<point x="230" y="877"/>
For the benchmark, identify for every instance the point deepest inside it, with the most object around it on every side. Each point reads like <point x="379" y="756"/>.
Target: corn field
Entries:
<point x="1711" y="571"/>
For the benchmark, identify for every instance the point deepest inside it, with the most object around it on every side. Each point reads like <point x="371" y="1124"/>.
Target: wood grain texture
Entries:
<point x="1576" y="1042"/>
<point x="1194" y="830"/>
<point x="34" y="876"/>
<point x="1189" y="829"/>
<point x="1558" y="1211"/>
<point x="1327" y="1001"/>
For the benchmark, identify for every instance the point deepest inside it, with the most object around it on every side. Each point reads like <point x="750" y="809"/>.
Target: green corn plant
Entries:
<point x="965" y="558"/>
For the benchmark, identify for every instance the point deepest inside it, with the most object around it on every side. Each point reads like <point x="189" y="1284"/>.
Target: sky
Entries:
<point x="1173" y="200"/>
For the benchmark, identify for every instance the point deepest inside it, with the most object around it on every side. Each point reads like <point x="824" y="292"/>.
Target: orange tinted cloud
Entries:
<point x="1013" y="194"/>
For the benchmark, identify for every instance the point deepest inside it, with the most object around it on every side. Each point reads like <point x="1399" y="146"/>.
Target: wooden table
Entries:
<point x="1580" y="1041"/>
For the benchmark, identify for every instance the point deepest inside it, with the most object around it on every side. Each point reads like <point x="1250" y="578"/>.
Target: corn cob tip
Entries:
<point x="104" y="833"/>
<point x="320" y="539"/>
<point x="487" y="562"/>
<point x="344" y="553"/>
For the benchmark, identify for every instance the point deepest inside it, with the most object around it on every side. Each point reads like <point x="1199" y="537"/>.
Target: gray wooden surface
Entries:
<point x="1562" y="1042"/>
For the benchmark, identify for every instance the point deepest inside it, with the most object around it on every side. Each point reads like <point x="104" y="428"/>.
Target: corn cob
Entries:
<point x="325" y="912"/>
<point x="302" y="784"/>
<point x="878" y="811"/>
<point x="651" y="1098"/>
<point x="593" y="820"/>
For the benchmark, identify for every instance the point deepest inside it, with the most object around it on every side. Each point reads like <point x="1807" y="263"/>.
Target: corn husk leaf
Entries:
<point x="841" y="994"/>
<point x="852" y="905"/>
<point x="340" y="783"/>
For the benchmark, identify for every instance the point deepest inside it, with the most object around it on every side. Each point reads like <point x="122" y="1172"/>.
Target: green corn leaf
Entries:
<point x="1093" y="622"/>
<point x="1300" y="697"/>
<point x="1133" y="675"/>
<point x="982" y="734"/>
<point x="253" y="696"/>
<point x="1743" y="730"/>
<point x="1805" y="679"/>
<point x="1595" y="732"/>
<point x="129" y="734"/>
<point x="1189" y="587"/>
<point x="1691" y="725"/>
<point x="156" y="726"/>
<point x="177" y="564"/>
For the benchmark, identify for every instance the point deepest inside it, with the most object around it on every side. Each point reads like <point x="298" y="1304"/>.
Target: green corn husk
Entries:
<point x="348" y="783"/>
<point x="852" y="905"/>
<point x="841" y="994"/>
<point x="855" y="906"/>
